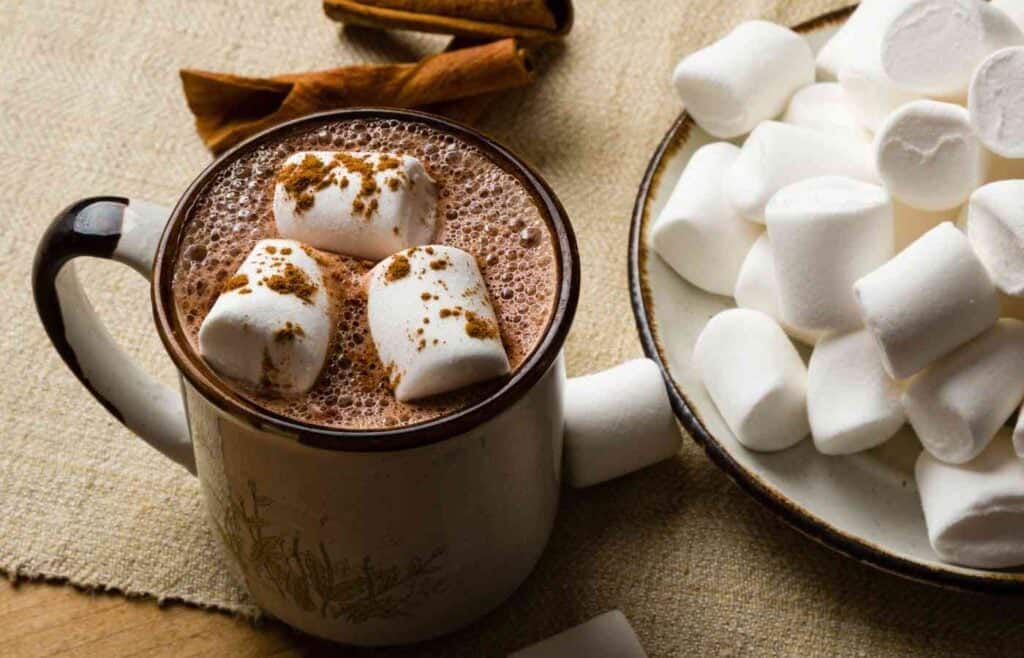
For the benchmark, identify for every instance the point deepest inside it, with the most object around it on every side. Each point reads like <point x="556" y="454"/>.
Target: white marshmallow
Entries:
<point x="608" y="635"/>
<point x="996" y="102"/>
<point x="778" y="154"/>
<point x="928" y="156"/>
<point x="975" y="512"/>
<point x="858" y="38"/>
<point x="872" y="95"/>
<point x="272" y="325"/>
<point x="1012" y="8"/>
<point x="826" y="233"/>
<point x="431" y="319"/>
<point x="755" y="377"/>
<point x="698" y="232"/>
<point x="744" y="78"/>
<point x="824" y="106"/>
<point x="616" y="422"/>
<point x="995" y="227"/>
<point x="957" y="405"/>
<point x="933" y="46"/>
<point x="930" y="298"/>
<point x="757" y="289"/>
<point x="852" y="403"/>
<point x="352" y="216"/>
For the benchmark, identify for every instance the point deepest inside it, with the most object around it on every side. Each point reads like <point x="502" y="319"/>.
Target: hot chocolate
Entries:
<point x="480" y="209"/>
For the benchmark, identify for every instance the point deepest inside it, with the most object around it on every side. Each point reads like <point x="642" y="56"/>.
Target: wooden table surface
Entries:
<point x="41" y="619"/>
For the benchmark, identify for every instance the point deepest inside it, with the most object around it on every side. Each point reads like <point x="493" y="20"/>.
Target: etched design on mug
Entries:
<point x="303" y="571"/>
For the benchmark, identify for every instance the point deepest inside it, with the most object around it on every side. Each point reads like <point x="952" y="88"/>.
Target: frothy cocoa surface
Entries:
<point x="481" y="209"/>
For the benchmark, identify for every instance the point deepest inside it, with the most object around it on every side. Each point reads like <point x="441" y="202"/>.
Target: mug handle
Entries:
<point x="127" y="231"/>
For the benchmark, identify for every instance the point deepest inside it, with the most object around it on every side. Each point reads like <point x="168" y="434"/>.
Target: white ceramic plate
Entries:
<point x="865" y="506"/>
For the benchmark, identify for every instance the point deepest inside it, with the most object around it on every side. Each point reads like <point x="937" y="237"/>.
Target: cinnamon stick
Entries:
<point x="228" y="108"/>
<point x="528" y="20"/>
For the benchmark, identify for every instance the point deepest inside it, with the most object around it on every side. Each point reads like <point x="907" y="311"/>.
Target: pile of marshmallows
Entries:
<point x="887" y="247"/>
<point x="428" y="307"/>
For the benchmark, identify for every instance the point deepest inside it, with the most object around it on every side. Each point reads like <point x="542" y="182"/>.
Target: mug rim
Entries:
<point x="194" y="369"/>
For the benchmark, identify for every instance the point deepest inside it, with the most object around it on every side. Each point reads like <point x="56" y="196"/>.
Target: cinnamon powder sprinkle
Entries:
<point x="236" y="282"/>
<point x="292" y="281"/>
<point x="286" y="250"/>
<point x="270" y="249"/>
<point x="398" y="269"/>
<point x="478" y="327"/>
<point x="439" y="264"/>
<point x="425" y="296"/>
<point x="288" y="333"/>
<point x="301" y="179"/>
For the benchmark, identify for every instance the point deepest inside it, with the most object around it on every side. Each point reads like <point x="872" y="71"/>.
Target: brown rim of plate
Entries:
<point x="998" y="582"/>
<point x="208" y="384"/>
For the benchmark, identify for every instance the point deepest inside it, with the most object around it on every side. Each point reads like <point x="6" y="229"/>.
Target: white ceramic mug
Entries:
<point x="364" y="537"/>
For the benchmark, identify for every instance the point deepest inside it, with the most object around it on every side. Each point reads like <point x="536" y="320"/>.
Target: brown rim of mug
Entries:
<point x="210" y="386"/>
<point x="955" y="577"/>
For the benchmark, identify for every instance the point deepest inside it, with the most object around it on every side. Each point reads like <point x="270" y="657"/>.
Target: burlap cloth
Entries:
<point x="90" y="104"/>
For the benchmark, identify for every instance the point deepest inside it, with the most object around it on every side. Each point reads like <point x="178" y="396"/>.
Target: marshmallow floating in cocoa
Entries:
<point x="933" y="46"/>
<point x="824" y="106"/>
<point x="744" y="78"/>
<point x="778" y="154"/>
<point x="826" y="233"/>
<point x="698" y="232"/>
<point x="975" y="511"/>
<point x="957" y="405"/>
<point x="757" y="289"/>
<point x="929" y="299"/>
<point x="996" y="102"/>
<point x="852" y="403"/>
<point x="928" y="156"/>
<point x="366" y="205"/>
<point x="271" y="326"/>
<point x="755" y="377"/>
<point x="605" y="438"/>
<point x="432" y="322"/>
<point x="608" y="635"/>
<point x="995" y="227"/>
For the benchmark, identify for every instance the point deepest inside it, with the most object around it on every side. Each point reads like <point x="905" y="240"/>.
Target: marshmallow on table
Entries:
<point x="826" y="233"/>
<point x="618" y="421"/>
<point x="858" y="38"/>
<point x="996" y="102"/>
<point x="995" y="227"/>
<point x="755" y="377"/>
<point x="824" y="107"/>
<point x="271" y="326"/>
<point x="744" y="78"/>
<point x="957" y="405"/>
<point x="698" y="232"/>
<point x="757" y="289"/>
<point x="930" y="298"/>
<point x="852" y="403"/>
<point x="933" y="46"/>
<point x="608" y="635"/>
<point x="432" y="322"/>
<point x="366" y="205"/>
<point x="778" y="154"/>
<point x="975" y="511"/>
